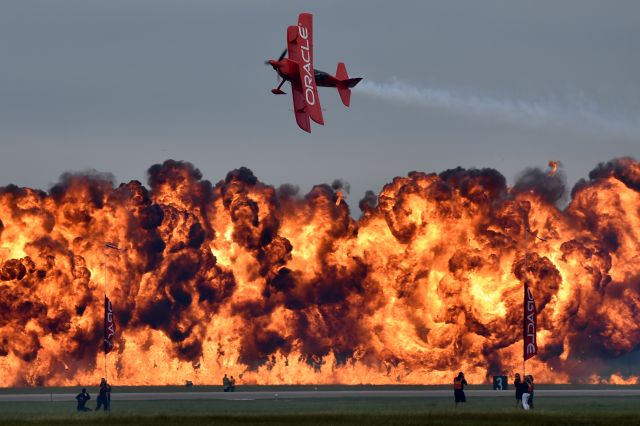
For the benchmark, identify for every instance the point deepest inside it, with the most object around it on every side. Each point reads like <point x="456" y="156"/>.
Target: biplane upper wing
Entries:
<point x="300" y="108"/>
<point x="304" y="58"/>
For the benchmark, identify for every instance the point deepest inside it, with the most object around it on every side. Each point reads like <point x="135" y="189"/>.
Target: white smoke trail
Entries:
<point x="579" y="115"/>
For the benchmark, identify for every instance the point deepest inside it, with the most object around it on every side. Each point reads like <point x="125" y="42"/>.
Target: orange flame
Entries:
<point x="256" y="282"/>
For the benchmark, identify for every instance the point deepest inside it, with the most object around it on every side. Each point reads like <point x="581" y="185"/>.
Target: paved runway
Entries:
<point x="249" y="396"/>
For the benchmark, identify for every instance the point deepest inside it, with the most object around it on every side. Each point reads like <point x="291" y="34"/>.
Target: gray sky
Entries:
<point x="120" y="85"/>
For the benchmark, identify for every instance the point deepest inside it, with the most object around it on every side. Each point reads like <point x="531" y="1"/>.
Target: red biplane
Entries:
<point x="298" y="69"/>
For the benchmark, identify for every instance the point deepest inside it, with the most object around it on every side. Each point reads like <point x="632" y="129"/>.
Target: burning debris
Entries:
<point x="240" y="277"/>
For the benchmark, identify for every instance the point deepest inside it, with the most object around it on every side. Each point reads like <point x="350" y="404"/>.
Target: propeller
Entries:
<point x="284" y="52"/>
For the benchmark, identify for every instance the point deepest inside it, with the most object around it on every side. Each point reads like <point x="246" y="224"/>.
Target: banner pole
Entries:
<point x="524" y="307"/>
<point x="108" y="311"/>
<point x="105" y="301"/>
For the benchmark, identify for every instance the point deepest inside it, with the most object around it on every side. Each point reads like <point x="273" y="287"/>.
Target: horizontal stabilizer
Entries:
<point x="345" y="94"/>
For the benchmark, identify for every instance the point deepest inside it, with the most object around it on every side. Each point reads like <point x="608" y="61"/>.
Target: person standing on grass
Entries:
<point x="104" y="396"/>
<point x="531" y="392"/>
<point x="232" y="384"/>
<point x="528" y="389"/>
<point x="458" y="389"/>
<point x="517" y="383"/>
<point x="82" y="399"/>
<point x="226" y="384"/>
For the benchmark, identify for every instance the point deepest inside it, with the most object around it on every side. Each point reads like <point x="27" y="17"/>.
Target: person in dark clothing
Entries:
<point x="226" y="384"/>
<point x="458" y="389"/>
<point x="104" y="396"/>
<point x="82" y="398"/>
<point x="531" y="386"/>
<point x="517" y="383"/>
<point x="232" y="384"/>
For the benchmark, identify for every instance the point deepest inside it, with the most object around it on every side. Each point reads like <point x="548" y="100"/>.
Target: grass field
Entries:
<point x="345" y="411"/>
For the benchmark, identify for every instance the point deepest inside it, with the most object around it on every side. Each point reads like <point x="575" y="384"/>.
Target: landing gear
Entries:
<point x="277" y="90"/>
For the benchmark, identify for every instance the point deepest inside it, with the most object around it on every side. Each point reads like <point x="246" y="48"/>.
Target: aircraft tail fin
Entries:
<point x="345" y="83"/>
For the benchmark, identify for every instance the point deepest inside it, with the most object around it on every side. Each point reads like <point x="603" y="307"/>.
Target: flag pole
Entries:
<point x="104" y="301"/>
<point x="107" y="305"/>
<point x="526" y="267"/>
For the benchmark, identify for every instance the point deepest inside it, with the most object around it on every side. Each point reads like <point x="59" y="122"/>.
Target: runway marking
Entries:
<point x="266" y="395"/>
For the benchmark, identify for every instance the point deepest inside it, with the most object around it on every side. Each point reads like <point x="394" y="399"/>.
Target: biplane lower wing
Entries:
<point x="305" y="66"/>
<point x="299" y="103"/>
<point x="300" y="48"/>
<point x="300" y="107"/>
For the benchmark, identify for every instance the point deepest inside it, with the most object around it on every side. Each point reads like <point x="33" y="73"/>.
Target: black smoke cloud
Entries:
<point x="552" y="188"/>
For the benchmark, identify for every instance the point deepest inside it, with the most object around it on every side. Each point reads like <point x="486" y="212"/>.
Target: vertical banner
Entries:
<point x="530" y="324"/>
<point x="109" y="326"/>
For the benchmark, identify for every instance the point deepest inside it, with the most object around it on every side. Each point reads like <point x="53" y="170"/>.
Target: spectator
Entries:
<point x="226" y="384"/>
<point x="517" y="383"/>
<point x="104" y="396"/>
<point x="458" y="389"/>
<point x="528" y="389"/>
<point x="82" y="398"/>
